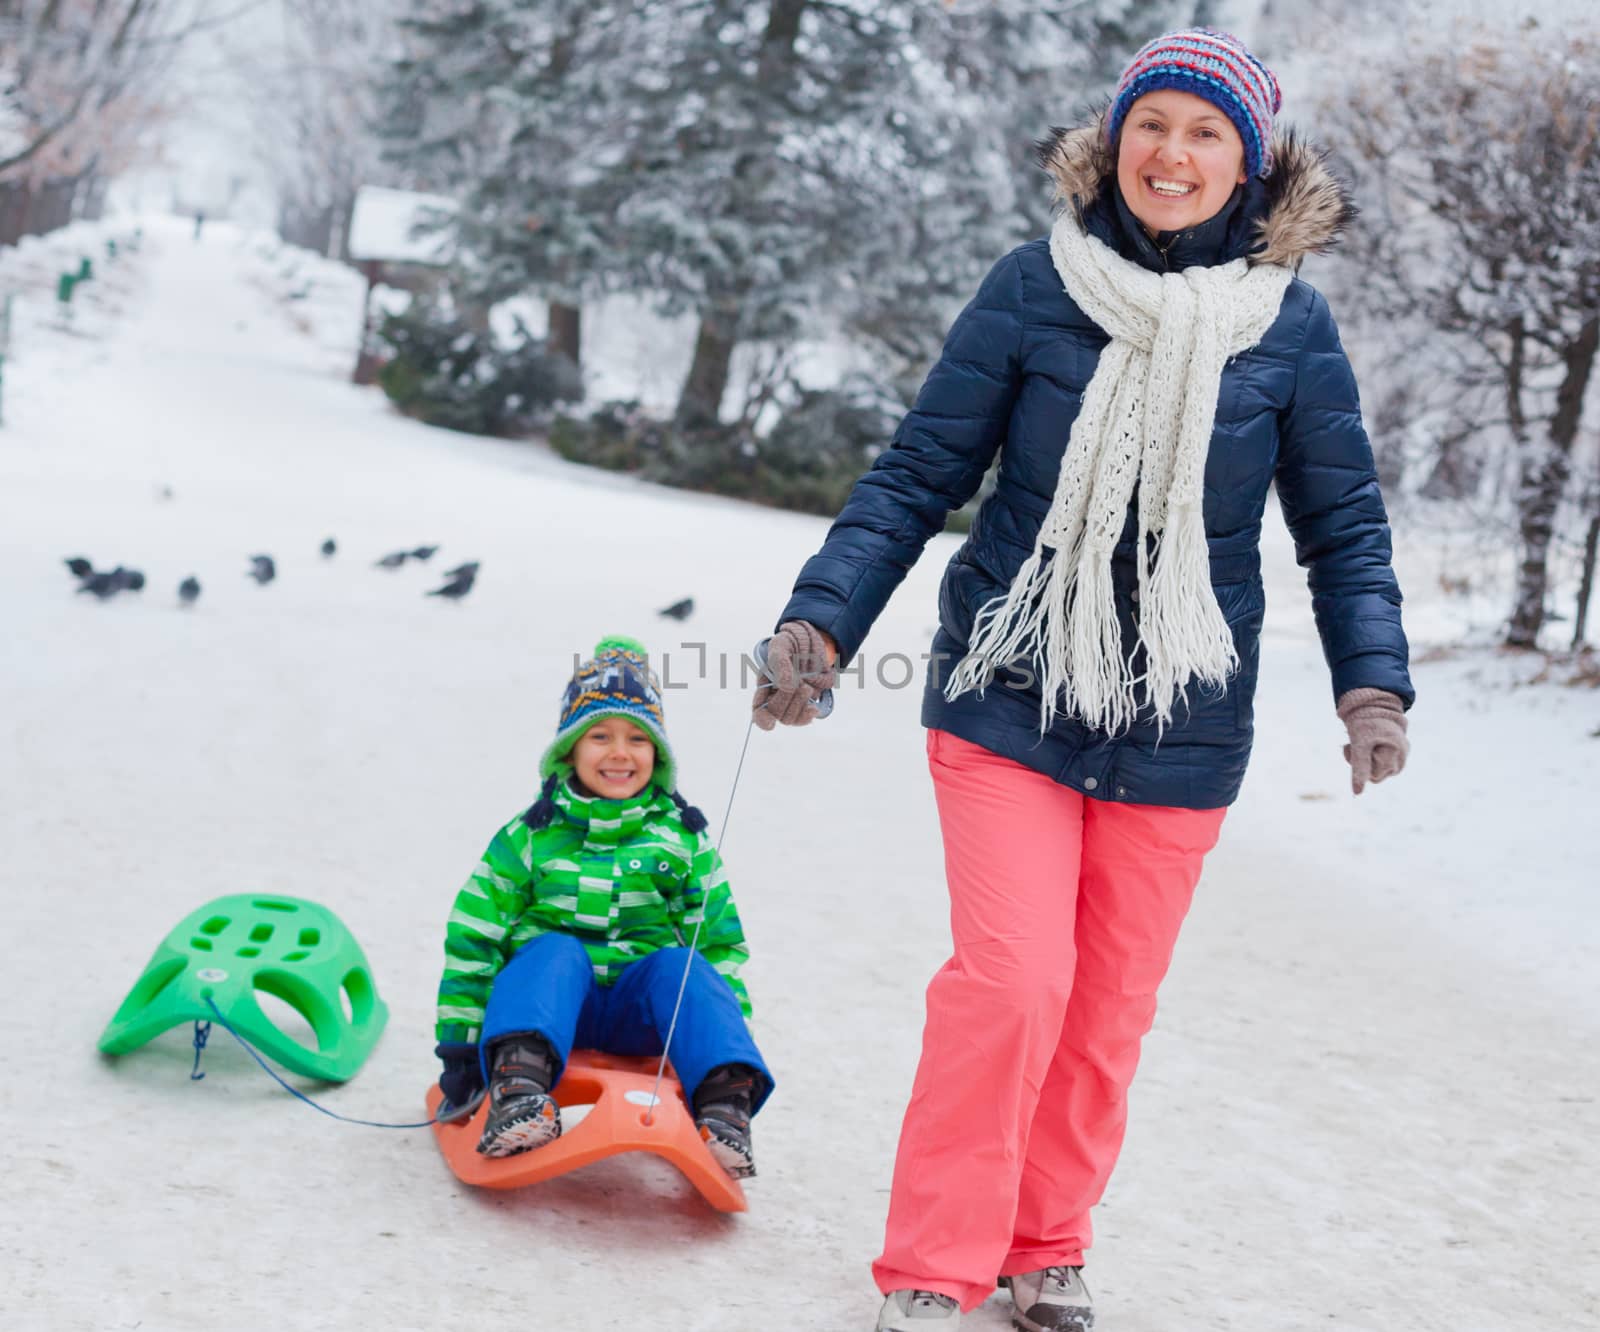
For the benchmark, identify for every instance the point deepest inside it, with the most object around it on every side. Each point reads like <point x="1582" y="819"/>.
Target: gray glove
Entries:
<point x="1376" y="721"/>
<point x="798" y="673"/>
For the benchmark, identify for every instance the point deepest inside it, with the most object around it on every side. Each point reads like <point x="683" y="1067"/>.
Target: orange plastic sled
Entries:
<point x="618" y="1088"/>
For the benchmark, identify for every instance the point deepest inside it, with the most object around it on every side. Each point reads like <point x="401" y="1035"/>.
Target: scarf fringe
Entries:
<point x="1186" y="639"/>
<point x="1006" y="631"/>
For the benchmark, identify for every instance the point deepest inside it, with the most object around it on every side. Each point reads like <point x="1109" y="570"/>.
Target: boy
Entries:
<point x="573" y="929"/>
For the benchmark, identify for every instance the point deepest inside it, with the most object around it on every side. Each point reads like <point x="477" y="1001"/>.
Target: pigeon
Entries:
<point x="328" y="548"/>
<point x="457" y="587"/>
<point x="424" y="552"/>
<point x="189" y="590"/>
<point x="467" y="570"/>
<point x="105" y="585"/>
<point x="679" y="610"/>
<point x="262" y="569"/>
<point x="81" y="568"/>
<point x="393" y="561"/>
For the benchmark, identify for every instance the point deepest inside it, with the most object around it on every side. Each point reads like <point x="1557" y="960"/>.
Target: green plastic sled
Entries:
<point x="292" y="949"/>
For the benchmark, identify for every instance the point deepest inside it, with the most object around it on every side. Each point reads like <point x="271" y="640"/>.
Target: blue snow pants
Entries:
<point x="549" y="987"/>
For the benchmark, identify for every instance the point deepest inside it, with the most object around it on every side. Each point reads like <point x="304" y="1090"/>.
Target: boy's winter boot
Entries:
<point x="722" y="1106"/>
<point x="918" y="1311"/>
<point x="1053" y="1299"/>
<point x="522" y="1113"/>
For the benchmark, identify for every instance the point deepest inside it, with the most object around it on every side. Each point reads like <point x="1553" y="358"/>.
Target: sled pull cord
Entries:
<point x="216" y="1016"/>
<point x="683" y="982"/>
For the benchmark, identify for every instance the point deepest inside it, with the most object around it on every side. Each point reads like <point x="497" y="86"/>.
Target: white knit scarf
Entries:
<point x="1146" y="417"/>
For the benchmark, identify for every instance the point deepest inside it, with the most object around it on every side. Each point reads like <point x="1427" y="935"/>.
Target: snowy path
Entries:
<point x="1370" y="1101"/>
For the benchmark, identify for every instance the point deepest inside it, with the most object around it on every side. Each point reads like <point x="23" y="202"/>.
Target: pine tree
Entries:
<point x="993" y="77"/>
<point x="504" y="105"/>
<point x="757" y="159"/>
<point x="771" y="166"/>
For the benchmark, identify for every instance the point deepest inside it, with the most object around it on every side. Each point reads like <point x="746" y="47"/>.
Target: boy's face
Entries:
<point x="614" y="759"/>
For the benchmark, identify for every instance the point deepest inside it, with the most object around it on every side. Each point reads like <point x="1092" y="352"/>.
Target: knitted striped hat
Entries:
<point x="1210" y="64"/>
<point x="618" y="682"/>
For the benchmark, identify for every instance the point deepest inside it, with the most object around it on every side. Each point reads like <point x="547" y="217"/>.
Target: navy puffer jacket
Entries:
<point x="1011" y="378"/>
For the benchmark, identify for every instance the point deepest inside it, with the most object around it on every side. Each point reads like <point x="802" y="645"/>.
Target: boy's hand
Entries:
<point x="799" y="671"/>
<point x="462" y="1079"/>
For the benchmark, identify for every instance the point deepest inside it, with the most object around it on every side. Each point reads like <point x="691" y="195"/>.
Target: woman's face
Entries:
<point x="1178" y="160"/>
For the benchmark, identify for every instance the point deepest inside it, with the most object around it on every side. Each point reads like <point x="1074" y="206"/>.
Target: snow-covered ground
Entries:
<point x="1370" y="1101"/>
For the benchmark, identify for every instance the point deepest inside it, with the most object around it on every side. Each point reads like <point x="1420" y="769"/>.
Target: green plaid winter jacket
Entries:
<point x="623" y="877"/>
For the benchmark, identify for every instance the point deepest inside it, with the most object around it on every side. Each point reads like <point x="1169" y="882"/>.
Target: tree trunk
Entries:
<point x="777" y="42"/>
<point x="342" y="213"/>
<point x="368" y="360"/>
<point x="701" y="399"/>
<point x="12" y="195"/>
<point x="61" y="192"/>
<point x="32" y="201"/>
<point x="475" y="315"/>
<point x="93" y="198"/>
<point x="1459" y="467"/>
<point x="565" y="334"/>
<point x="1542" y="481"/>
<point x="319" y="230"/>
<point x="703" y="390"/>
<point x="1544" y="474"/>
<point x="1591" y="548"/>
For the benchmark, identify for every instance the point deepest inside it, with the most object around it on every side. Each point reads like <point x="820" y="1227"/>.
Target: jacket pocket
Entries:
<point x="1244" y="608"/>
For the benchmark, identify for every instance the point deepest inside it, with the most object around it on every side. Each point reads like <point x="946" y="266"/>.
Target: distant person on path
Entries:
<point x="199" y="222"/>
<point x="1143" y="375"/>
<point x="572" y="931"/>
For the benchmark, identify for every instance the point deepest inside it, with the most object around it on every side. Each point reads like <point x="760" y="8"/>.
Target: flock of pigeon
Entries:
<point x="107" y="583"/>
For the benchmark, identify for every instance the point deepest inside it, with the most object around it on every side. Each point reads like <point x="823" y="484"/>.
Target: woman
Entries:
<point x="1144" y="375"/>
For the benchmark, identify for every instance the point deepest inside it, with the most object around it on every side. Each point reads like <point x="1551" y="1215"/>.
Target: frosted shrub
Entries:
<point x="444" y="373"/>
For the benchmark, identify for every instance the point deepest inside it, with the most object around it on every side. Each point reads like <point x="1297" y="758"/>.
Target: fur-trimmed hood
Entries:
<point x="1305" y="206"/>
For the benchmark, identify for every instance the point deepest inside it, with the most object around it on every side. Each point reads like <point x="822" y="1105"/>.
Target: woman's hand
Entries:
<point x="1376" y="721"/>
<point x="800" y="668"/>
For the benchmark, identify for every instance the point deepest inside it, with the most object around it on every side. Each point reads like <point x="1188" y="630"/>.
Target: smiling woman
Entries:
<point x="1145" y="373"/>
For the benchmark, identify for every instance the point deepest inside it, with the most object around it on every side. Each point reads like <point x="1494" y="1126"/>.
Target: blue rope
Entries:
<point x="273" y="1073"/>
<point x="201" y="1031"/>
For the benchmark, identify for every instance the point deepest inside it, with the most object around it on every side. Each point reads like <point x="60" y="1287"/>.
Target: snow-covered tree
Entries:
<point x="81" y="85"/>
<point x="992" y="77"/>
<point x="1478" y="165"/>
<point x="759" y="154"/>
<point x="315" y="94"/>
<point x="802" y="156"/>
<point x="507" y="104"/>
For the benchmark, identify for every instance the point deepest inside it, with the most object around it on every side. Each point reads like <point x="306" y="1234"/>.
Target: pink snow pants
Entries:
<point x="1064" y="911"/>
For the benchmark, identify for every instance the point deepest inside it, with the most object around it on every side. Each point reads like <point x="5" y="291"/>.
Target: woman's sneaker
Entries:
<point x="918" y="1311"/>
<point x="722" y="1105"/>
<point x="522" y="1113"/>
<point x="1053" y="1299"/>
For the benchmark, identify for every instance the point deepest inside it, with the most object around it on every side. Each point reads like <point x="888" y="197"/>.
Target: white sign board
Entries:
<point x="385" y="226"/>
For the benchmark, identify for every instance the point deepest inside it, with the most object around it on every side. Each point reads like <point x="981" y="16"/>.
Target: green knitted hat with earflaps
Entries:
<point x="616" y="682"/>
